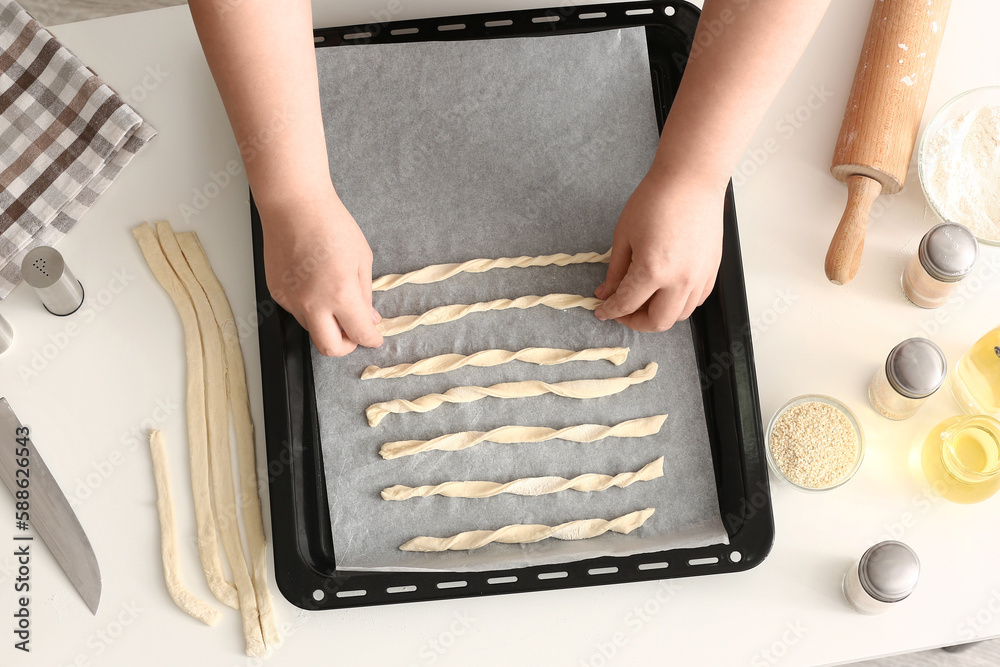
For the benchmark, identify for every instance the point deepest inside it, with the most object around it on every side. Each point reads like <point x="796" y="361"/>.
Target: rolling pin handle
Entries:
<point x="844" y="256"/>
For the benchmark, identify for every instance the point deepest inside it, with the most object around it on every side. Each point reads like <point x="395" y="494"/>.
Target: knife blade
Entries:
<point x="49" y="511"/>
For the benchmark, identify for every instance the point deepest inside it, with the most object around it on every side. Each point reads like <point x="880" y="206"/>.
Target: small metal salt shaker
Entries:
<point x="885" y="575"/>
<point x="6" y="335"/>
<point x="913" y="371"/>
<point x="945" y="256"/>
<point x="44" y="269"/>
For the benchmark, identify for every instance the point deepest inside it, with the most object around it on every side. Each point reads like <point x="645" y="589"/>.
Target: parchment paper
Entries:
<point x="446" y="152"/>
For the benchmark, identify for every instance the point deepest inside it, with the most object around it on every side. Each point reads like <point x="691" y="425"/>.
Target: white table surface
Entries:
<point x="89" y="392"/>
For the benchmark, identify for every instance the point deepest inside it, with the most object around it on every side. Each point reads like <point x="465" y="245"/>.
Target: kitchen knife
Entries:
<point x="49" y="511"/>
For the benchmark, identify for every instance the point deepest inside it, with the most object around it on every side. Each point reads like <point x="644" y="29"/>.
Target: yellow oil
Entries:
<point x="976" y="383"/>
<point x="961" y="458"/>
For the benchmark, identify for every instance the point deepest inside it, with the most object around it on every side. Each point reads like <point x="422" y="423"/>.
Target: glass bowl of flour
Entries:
<point x="958" y="162"/>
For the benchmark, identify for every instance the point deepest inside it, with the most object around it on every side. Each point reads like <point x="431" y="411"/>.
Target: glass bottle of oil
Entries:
<point x="961" y="458"/>
<point x="976" y="380"/>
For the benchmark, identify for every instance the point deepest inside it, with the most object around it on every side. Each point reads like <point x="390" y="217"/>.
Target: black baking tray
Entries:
<point x="304" y="562"/>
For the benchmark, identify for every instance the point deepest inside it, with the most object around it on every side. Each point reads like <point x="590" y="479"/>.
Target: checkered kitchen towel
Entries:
<point x="64" y="137"/>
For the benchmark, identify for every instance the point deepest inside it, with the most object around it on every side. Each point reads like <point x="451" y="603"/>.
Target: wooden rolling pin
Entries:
<point x="882" y="117"/>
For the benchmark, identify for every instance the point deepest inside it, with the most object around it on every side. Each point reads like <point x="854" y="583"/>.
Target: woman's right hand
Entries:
<point x="319" y="269"/>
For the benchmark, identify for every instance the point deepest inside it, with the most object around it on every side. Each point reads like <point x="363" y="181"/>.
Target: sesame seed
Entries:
<point x="814" y="445"/>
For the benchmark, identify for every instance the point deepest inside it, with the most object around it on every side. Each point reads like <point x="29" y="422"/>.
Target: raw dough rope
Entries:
<point x="390" y="326"/>
<point x="208" y="537"/>
<point x="527" y="486"/>
<point x="543" y="356"/>
<point x="438" y="272"/>
<point x="239" y="400"/>
<point x="220" y="456"/>
<point x="581" y="529"/>
<point x="570" y="389"/>
<point x="179" y="593"/>
<point x="633" y="428"/>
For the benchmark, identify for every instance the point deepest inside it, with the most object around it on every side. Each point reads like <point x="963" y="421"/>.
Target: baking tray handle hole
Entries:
<point x="710" y="560"/>
<point x="347" y="594"/>
<point x="401" y="589"/>
<point x="661" y="565"/>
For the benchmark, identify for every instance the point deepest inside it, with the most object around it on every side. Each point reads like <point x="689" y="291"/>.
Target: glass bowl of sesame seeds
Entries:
<point x="815" y="443"/>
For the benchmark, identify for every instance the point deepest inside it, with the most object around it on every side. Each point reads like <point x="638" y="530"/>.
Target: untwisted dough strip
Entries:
<point x="239" y="399"/>
<point x="390" y="326"/>
<point x="179" y="593"/>
<point x="527" y="486"/>
<point x="543" y="356"/>
<point x="438" y="272"/>
<point x="581" y="529"/>
<point x="220" y="456"/>
<point x="570" y="389"/>
<point x="208" y="537"/>
<point x="633" y="428"/>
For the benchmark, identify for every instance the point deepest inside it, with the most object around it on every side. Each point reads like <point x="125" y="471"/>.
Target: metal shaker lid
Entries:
<point x="42" y="266"/>
<point x="916" y="367"/>
<point x="889" y="571"/>
<point x="948" y="252"/>
<point x="44" y="269"/>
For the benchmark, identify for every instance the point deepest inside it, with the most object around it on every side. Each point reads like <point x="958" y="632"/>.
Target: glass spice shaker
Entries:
<point x="914" y="370"/>
<point x="945" y="256"/>
<point x="886" y="574"/>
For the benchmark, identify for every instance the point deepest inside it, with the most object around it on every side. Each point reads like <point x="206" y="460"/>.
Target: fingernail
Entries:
<point x="600" y="316"/>
<point x="600" y="291"/>
<point x="376" y="318"/>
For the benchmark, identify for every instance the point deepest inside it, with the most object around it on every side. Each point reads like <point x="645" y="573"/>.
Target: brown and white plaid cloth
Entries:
<point x="64" y="137"/>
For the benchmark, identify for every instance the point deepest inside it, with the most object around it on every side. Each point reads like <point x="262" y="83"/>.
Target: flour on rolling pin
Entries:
<point x="961" y="170"/>
<point x="882" y="117"/>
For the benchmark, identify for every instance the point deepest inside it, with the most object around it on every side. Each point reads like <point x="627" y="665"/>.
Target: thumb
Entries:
<point x="355" y="317"/>
<point x="621" y="257"/>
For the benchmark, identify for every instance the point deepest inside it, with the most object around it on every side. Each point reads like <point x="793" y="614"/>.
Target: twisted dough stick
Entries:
<point x="570" y="389"/>
<point x="543" y="356"/>
<point x="528" y="486"/>
<point x="390" y="326"/>
<point x="438" y="272"/>
<point x="181" y="596"/>
<point x="581" y="529"/>
<point x="633" y="428"/>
